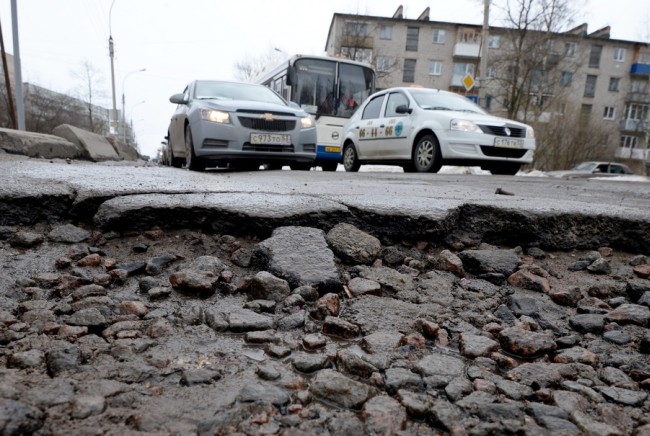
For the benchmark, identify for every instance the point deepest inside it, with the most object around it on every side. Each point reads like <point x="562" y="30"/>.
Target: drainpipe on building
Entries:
<point x="485" y="34"/>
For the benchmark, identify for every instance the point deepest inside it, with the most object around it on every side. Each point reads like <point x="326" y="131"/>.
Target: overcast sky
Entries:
<point x="181" y="40"/>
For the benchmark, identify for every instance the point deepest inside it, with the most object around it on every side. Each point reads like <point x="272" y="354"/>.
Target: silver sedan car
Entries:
<point x="238" y="125"/>
<point x="421" y="129"/>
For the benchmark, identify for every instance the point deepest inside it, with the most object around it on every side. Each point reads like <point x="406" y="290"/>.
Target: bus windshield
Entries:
<point x="317" y="90"/>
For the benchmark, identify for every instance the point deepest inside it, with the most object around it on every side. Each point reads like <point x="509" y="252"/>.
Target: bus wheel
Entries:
<point x="330" y="166"/>
<point x="350" y="160"/>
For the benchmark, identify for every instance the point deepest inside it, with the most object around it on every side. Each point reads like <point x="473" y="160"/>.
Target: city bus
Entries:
<point x="329" y="89"/>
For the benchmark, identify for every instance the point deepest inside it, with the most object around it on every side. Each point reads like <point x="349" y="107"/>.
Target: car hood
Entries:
<point x="475" y="117"/>
<point x="247" y="105"/>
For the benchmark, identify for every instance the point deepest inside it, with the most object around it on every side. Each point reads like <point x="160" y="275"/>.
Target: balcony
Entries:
<point x="634" y="125"/>
<point x="638" y="97"/>
<point x="639" y="69"/>
<point x="465" y="50"/>
<point x="632" y="153"/>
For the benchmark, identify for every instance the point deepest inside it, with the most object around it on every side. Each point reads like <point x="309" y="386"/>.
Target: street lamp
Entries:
<point x="111" y="54"/>
<point x="132" y="133"/>
<point x="123" y="101"/>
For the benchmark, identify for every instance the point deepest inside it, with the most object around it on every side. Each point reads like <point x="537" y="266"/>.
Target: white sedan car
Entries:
<point x="422" y="129"/>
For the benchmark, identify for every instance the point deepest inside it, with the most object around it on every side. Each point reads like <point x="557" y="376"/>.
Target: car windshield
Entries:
<point x="235" y="91"/>
<point x="585" y="166"/>
<point x="435" y="100"/>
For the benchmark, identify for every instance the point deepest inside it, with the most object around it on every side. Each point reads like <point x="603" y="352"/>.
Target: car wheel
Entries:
<point x="330" y="166"/>
<point x="191" y="161"/>
<point x="504" y="168"/>
<point x="426" y="155"/>
<point x="300" y="166"/>
<point x="350" y="160"/>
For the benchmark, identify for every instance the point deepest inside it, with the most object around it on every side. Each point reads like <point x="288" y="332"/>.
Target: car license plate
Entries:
<point x="332" y="150"/>
<point x="270" y="139"/>
<point x="508" y="142"/>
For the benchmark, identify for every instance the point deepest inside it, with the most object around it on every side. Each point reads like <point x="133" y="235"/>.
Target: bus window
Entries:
<point x="315" y="86"/>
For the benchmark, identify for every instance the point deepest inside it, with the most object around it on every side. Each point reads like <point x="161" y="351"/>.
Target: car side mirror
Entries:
<point x="178" y="99"/>
<point x="403" y="109"/>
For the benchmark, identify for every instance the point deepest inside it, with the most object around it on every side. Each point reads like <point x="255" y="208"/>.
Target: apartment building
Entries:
<point x="605" y="80"/>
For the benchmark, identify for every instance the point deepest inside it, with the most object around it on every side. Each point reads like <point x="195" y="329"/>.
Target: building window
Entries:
<point x="609" y="113"/>
<point x="357" y="54"/>
<point x="386" y="32"/>
<point x="469" y="36"/>
<point x="594" y="56"/>
<point x="614" y="83"/>
<point x="460" y="71"/>
<point x="435" y="68"/>
<point x="494" y="41"/>
<point x="585" y="113"/>
<point x="640" y="86"/>
<point x="356" y="29"/>
<point x="383" y="64"/>
<point x="412" y="36"/>
<point x="491" y="72"/>
<point x="570" y="49"/>
<point x="409" y="71"/>
<point x="438" y="36"/>
<point x="637" y="112"/>
<point x="619" y="54"/>
<point x="628" y="141"/>
<point x="590" y="85"/>
<point x="566" y="79"/>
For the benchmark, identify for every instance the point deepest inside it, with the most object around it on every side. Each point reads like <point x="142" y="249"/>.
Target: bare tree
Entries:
<point x="250" y="68"/>
<point x="528" y="69"/>
<point x="569" y="138"/>
<point x="90" y="80"/>
<point x="357" y="45"/>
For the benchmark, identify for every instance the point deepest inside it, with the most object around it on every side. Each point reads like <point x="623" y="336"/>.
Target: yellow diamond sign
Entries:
<point x="468" y="82"/>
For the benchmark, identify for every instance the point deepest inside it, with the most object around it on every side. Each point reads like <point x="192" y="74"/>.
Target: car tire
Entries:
<point x="330" y="166"/>
<point x="192" y="163"/>
<point x="504" y="168"/>
<point x="300" y="166"/>
<point x="350" y="159"/>
<point x="426" y="155"/>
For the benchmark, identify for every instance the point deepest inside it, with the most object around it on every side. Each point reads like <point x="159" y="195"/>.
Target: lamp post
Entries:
<point x="132" y="135"/>
<point x="123" y="101"/>
<point x="111" y="53"/>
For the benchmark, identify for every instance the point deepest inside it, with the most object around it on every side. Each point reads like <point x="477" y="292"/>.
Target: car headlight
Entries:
<point x="306" y="123"/>
<point x="464" y="126"/>
<point x="530" y="133"/>
<point x="215" y="116"/>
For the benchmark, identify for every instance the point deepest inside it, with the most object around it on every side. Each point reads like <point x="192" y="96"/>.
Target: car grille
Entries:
<point x="267" y="126"/>
<point x="267" y="148"/>
<point x="515" y="132"/>
<point x="514" y="153"/>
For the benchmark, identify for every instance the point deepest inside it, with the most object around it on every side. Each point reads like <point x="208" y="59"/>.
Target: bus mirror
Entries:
<point x="291" y="75"/>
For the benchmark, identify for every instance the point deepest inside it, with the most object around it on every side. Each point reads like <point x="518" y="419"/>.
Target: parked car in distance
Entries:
<point x="593" y="169"/>
<point x="422" y="129"/>
<point x="238" y="125"/>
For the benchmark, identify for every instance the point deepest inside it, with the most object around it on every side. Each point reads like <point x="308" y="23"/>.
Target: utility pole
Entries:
<point x="111" y="54"/>
<point x="10" y="97"/>
<point x="485" y="35"/>
<point x="20" y="107"/>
